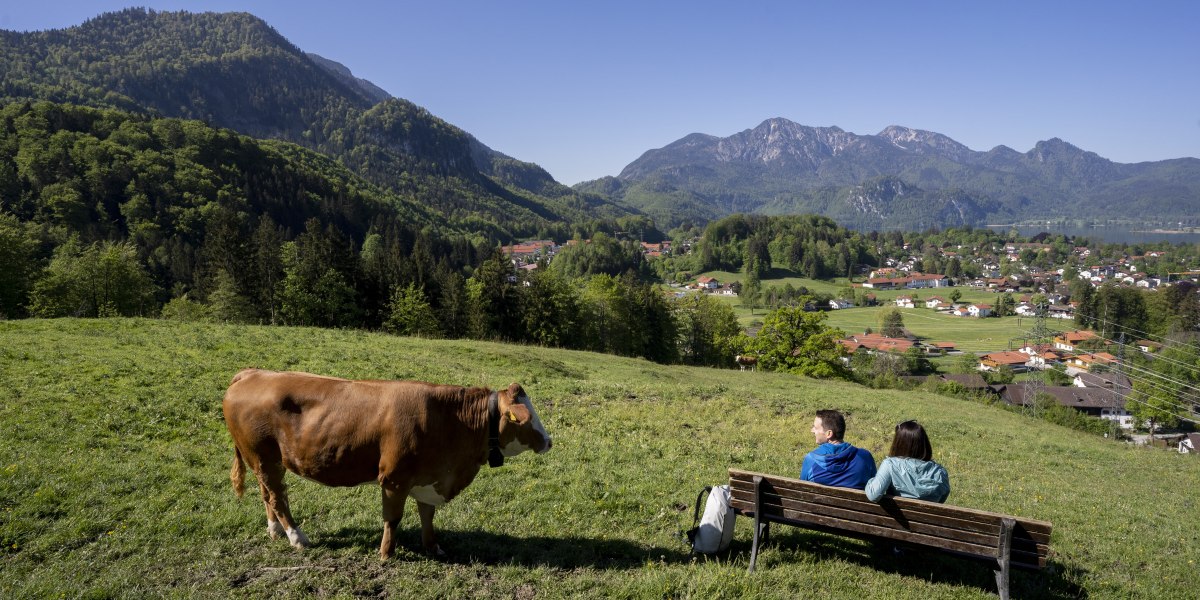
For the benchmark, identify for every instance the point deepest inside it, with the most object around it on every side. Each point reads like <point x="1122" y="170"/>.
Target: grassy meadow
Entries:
<point x="969" y="334"/>
<point x="114" y="482"/>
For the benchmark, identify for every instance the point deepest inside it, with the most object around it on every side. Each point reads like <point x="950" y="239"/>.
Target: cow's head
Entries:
<point x="520" y="427"/>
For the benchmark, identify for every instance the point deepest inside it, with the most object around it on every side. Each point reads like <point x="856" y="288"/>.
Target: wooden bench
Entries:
<point x="1003" y="541"/>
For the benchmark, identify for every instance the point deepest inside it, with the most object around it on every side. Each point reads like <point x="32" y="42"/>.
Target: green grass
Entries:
<point x="781" y="277"/>
<point x="114" y="479"/>
<point x="968" y="333"/>
<point x="972" y="335"/>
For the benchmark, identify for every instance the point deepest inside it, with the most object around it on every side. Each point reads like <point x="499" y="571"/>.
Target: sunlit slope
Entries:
<point x="114" y="479"/>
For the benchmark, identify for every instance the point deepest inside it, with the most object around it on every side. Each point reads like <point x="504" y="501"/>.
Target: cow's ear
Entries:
<point x="517" y="413"/>
<point x="516" y="391"/>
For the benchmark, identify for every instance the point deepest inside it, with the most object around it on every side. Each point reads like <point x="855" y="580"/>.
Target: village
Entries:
<point x="1095" y="384"/>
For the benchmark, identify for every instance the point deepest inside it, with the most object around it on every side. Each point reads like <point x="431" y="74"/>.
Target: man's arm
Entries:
<point x="806" y="468"/>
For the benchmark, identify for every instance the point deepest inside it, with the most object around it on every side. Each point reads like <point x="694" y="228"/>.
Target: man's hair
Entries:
<point x="911" y="441"/>
<point x="833" y="421"/>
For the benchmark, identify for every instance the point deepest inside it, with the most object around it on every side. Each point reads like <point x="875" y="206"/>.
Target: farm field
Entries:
<point x="115" y="461"/>
<point x="968" y="334"/>
<point x="781" y="277"/>
<point x="975" y="334"/>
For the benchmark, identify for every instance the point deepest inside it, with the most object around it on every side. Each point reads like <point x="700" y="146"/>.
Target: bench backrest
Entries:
<point x="970" y="532"/>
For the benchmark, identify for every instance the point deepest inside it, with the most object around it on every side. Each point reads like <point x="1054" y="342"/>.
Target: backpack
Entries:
<point x="714" y="531"/>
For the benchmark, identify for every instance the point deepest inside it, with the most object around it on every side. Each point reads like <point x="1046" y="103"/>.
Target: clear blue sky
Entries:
<point x="584" y="88"/>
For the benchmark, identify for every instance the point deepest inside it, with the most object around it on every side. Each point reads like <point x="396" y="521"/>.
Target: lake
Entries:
<point x="1123" y="234"/>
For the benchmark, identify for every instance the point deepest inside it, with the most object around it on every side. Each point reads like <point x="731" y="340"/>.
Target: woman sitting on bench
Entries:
<point x="909" y="469"/>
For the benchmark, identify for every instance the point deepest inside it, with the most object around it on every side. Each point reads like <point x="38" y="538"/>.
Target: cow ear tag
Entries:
<point x="512" y="418"/>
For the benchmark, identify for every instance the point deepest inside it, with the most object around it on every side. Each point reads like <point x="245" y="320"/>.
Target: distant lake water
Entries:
<point x="1124" y="234"/>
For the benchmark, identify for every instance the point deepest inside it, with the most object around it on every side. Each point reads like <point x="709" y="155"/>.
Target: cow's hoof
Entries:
<point x="275" y="530"/>
<point x="297" y="539"/>
<point x="435" y="551"/>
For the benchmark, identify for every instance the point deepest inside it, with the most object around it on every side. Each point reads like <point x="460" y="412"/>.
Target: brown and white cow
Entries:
<point x="746" y="360"/>
<point x="416" y="439"/>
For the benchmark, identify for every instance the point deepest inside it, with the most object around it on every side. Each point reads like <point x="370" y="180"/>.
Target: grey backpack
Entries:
<point x="712" y="532"/>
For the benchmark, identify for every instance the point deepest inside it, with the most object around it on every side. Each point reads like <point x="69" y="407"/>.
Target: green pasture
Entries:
<point x="114" y="480"/>
<point x="975" y="338"/>
<point x="835" y="286"/>
<point x="781" y="277"/>
<point x="969" y="334"/>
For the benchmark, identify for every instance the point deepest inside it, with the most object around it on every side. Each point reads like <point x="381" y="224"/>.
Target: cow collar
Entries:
<point x="495" y="458"/>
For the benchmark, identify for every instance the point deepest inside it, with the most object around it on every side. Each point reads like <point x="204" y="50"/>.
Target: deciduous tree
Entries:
<point x="799" y="342"/>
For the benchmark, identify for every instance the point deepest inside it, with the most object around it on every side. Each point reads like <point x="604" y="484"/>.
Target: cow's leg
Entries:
<point x="393" y="510"/>
<point x="428" y="537"/>
<point x="274" y="529"/>
<point x="270" y="477"/>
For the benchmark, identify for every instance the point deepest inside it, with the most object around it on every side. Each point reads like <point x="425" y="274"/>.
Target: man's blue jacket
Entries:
<point x="840" y="465"/>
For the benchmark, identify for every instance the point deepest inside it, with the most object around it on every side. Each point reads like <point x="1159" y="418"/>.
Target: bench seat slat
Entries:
<point x="1033" y="526"/>
<point x="883" y="532"/>
<point x="1028" y="555"/>
<point x="1038" y="530"/>
<point x="869" y="512"/>
<point x="745" y="491"/>
<point x="772" y="506"/>
<point x="967" y="532"/>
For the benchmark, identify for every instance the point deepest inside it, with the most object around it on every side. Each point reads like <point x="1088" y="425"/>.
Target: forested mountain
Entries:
<point x="900" y="178"/>
<point x="195" y="204"/>
<point x="233" y="70"/>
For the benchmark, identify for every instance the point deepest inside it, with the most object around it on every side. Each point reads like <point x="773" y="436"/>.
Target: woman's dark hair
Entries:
<point x="911" y="442"/>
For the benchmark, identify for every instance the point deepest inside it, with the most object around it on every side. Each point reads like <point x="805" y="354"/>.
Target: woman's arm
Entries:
<point x="878" y="485"/>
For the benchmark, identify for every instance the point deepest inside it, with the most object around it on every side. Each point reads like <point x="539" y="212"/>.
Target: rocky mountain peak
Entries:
<point x="923" y="142"/>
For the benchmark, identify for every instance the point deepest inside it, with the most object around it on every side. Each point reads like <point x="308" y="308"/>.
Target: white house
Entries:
<point x="840" y="304"/>
<point x="905" y="302"/>
<point x="1060" y="311"/>
<point x="933" y="302"/>
<point x="980" y="310"/>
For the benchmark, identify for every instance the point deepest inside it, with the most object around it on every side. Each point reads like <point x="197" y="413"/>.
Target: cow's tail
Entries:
<point x="237" y="474"/>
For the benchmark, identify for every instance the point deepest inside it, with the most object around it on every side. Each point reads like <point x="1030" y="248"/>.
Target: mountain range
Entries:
<point x="900" y="178"/>
<point x="233" y="70"/>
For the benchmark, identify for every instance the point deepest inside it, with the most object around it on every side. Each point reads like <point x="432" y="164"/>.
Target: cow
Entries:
<point x="416" y="439"/>
<point x="746" y="360"/>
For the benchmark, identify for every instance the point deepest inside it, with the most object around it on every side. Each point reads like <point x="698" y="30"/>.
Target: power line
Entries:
<point x="1169" y="381"/>
<point x="1165" y="378"/>
<point x="1183" y="346"/>
<point x="1132" y="396"/>
<point x="1188" y="366"/>
<point x="1156" y="356"/>
<point x="1173" y="414"/>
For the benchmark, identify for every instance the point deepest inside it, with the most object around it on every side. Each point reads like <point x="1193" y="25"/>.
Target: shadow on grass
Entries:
<point x="795" y="545"/>
<point x="476" y="547"/>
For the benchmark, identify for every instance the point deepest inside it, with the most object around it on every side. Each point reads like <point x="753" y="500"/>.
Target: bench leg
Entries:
<point x="1003" y="554"/>
<point x="759" y="525"/>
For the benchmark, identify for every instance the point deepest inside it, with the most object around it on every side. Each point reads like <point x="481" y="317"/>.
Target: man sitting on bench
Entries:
<point x="835" y="462"/>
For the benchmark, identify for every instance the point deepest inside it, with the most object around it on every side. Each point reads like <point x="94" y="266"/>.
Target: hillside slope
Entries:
<point x="233" y="70"/>
<point x="115" y="464"/>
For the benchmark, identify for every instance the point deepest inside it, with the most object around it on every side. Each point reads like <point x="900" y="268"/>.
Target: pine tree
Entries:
<point x="410" y="314"/>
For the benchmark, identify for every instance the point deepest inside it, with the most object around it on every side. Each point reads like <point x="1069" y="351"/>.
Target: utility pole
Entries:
<point x="1038" y="336"/>
<point x="1118" y="373"/>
